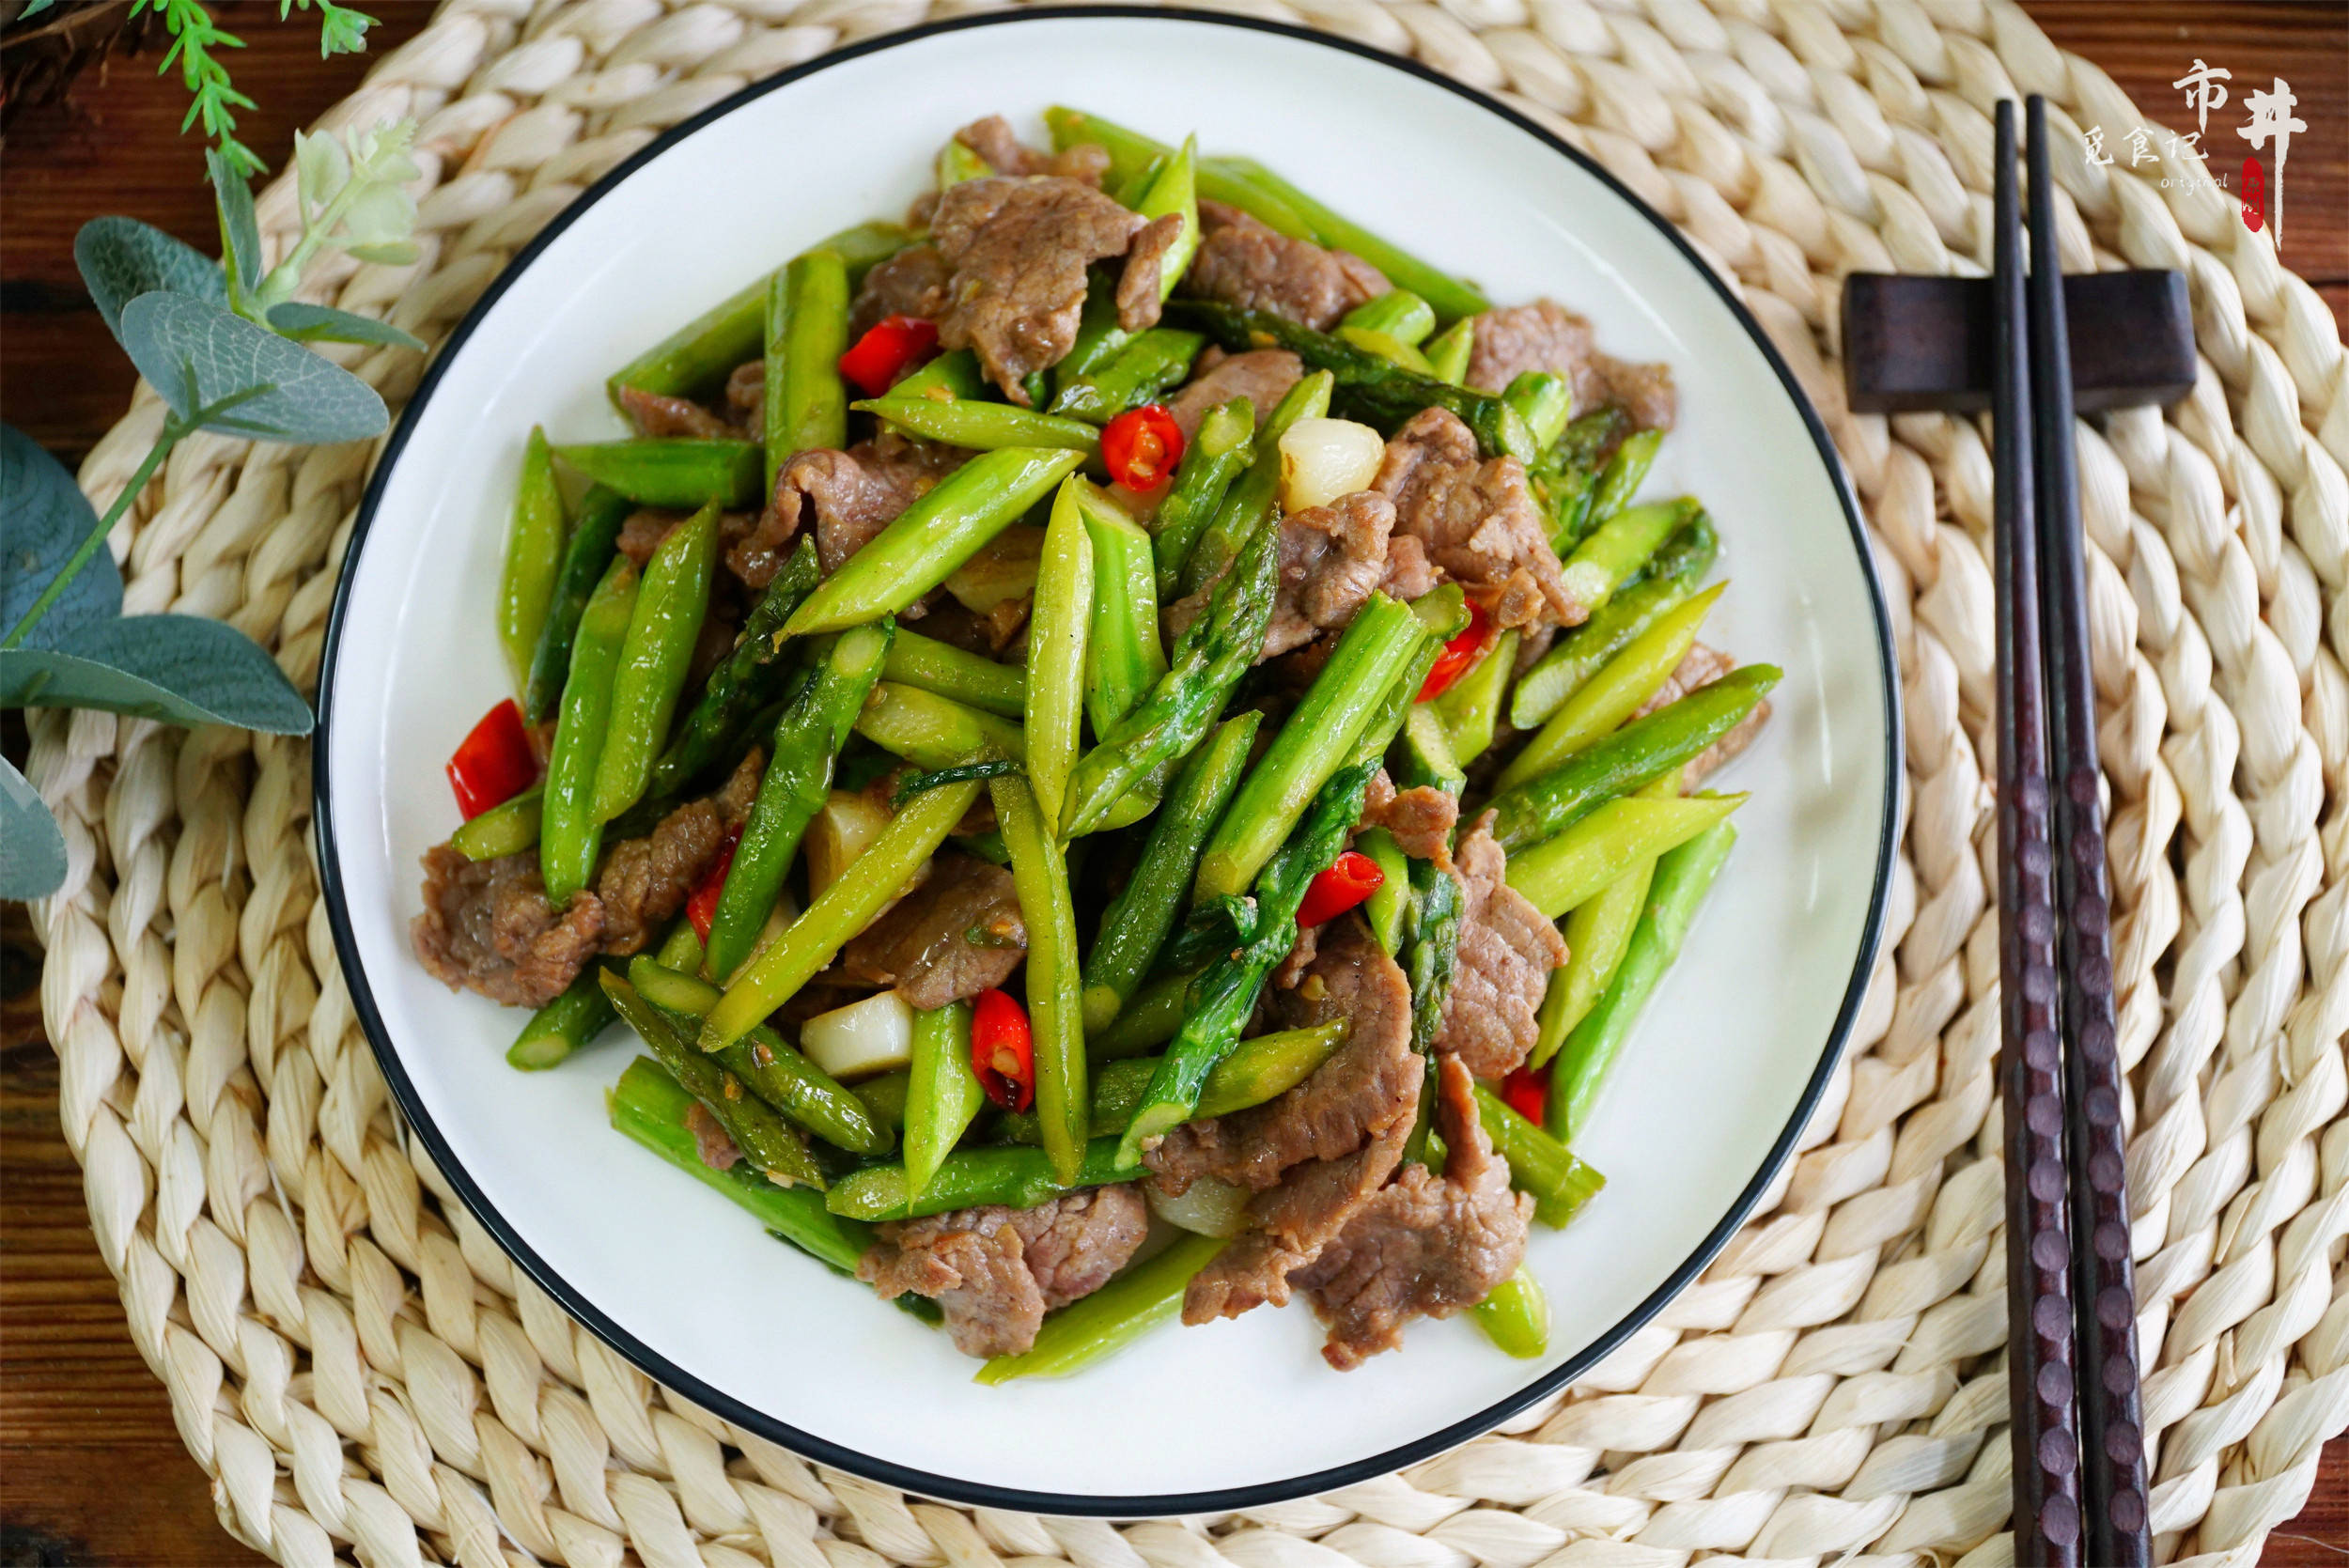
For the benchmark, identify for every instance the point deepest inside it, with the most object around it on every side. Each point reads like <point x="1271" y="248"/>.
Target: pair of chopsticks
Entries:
<point x="2080" y="1461"/>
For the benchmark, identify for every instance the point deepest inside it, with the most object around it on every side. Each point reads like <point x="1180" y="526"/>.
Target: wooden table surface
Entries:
<point x="91" y="1467"/>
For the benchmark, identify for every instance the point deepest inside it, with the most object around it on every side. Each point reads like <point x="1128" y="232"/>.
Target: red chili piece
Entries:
<point x="1460" y="655"/>
<point x="1527" y="1093"/>
<point x="1142" y="446"/>
<point x="1350" y="878"/>
<point x="703" y="907"/>
<point x="880" y="359"/>
<point x="1003" y="1051"/>
<point x="494" y="762"/>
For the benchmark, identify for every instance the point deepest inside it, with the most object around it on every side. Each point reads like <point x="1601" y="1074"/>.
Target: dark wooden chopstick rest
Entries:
<point x="1914" y="343"/>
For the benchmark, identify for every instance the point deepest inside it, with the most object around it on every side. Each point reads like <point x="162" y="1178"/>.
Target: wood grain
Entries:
<point x="91" y="1467"/>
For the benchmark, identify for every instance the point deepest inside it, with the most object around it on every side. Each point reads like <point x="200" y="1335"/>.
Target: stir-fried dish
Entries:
<point x="1126" y="748"/>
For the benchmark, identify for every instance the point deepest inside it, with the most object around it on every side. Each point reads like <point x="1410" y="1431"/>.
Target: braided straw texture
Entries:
<point x="367" y="1377"/>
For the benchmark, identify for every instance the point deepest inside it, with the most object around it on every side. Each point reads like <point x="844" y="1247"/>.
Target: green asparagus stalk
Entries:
<point x="650" y="1106"/>
<point x="954" y="375"/>
<point x="1620" y="479"/>
<point x="1059" y="629"/>
<point x="806" y="402"/>
<point x="1055" y="1009"/>
<point x="1558" y="873"/>
<point x="570" y="830"/>
<point x="1598" y="933"/>
<point x="934" y="732"/>
<point x="563" y="1026"/>
<point x="1135" y="925"/>
<point x="1123" y="656"/>
<point x="944" y="1092"/>
<point x="956" y="162"/>
<point x="1106" y="1321"/>
<point x="1515" y="1316"/>
<point x="1543" y="401"/>
<point x="1472" y="709"/>
<point x="1255" y="498"/>
<point x="1388" y="905"/>
<point x="1221" y="450"/>
<point x="1450" y="297"/>
<point x="1130" y="152"/>
<point x="1538" y="1163"/>
<point x="506" y="828"/>
<point x="1312" y="746"/>
<point x="1431" y="956"/>
<point x="838" y="914"/>
<point x="1256" y="1070"/>
<point x="671" y="604"/>
<point x="1017" y="1176"/>
<point x="1641" y="752"/>
<point x="1580" y="653"/>
<point x="884" y="1098"/>
<point x="706" y="348"/>
<point x="751" y="677"/>
<point x="1612" y="695"/>
<point x="1150" y="1018"/>
<point x="1149" y="362"/>
<point x="981" y="426"/>
<point x="680" y="473"/>
<point x="1618" y="548"/>
<point x="534" y="557"/>
<point x="807" y="742"/>
<point x="948" y="671"/>
<point x="1174" y="190"/>
<point x="934" y="536"/>
<point x="1208" y="661"/>
<point x="1682" y="878"/>
<point x="1448" y="355"/>
<point x="1398" y="314"/>
<point x="772" y="1147"/>
<point x="594" y="541"/>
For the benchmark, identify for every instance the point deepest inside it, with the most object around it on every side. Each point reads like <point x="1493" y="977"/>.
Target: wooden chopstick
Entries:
<point x="2112" y="1443"/>
<point x="2040" y="1323"/>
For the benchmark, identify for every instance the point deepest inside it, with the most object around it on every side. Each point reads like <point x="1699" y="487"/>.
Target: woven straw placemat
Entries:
<point x="366" y="1376"/>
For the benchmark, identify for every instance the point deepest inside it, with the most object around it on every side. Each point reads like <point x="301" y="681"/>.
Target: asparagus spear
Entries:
<point x="1543" y="401"/>
<point x="1369" y="386"/>
<point x="1618" y="548"/>
<point x="1150" y="363"/>
<point x="1598" y="932"/>
<point x="1313" y="745"/>
<point x="594" y="541"/>
<point x="506" y="828"/>
<point x="1055" y="1011"/>
<point x="1681" y="878"/>
<point x="838" y="914"/>
<point x="1110" y="1319"/>
<point x="1390" y="905"/>
<point x="1538" y="1163"/>
<point x="1255" y="498"/>
<point x="1623" y="473"/>
<point x="1616" y="692"/>
<point x="1558" y="873"/>
<point x="1515" y="1316"/>
<point x="806" y="403"/>
<point x="934" y="732"/>
<point x="979" y="424"/>
<point x="1216" y="454"/>
<point x="1123" y="656"/>
<point x="564" y="1025"/>
<point x="1398" y="314"/>
<point x="807" y="742"/>
<point x="751" y="677"/>
<point x="948" y="671"/>
<point x="534" y="558"/>
<point x="1472" y="709"/>
<point x="1225" y="994"/>
<point x="570" y="830"/>
<point x="1130" y="152"/>
<point x="944" y="1093"/>
<point x="672" y="601"/>
<point x="681" y="472"/>
<point x="934" y="536"/>
<point x="1208" y="661"/>
<point x="1256" y="1070"/>
<point x="1449" y="296"/>
<point x="1642" y="750"/>
<point x="1448" y="354"/>
<point x="650" y="1106"/>
<point x="1673" y="574"/>
<point x="772" y="1147"/>
<point x="1016" y="1176"/>
<point x="1059" y="629"/>
<point x="1150" y="1018"/>
<point x="1135" y="925"/>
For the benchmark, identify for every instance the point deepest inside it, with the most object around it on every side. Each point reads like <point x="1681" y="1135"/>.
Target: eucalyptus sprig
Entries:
<point x="218" y="342"/>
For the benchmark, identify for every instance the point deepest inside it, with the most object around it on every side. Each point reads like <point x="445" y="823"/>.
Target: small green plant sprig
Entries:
<point x="195" y="42"/>
<point x="221" y="342"/>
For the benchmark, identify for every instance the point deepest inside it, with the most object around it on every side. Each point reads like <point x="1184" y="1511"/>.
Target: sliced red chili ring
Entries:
<point x="1459" y="654"/>
<point x="1142" y="446"/>
<point x="1002" y="1049"/>
<point x="1350" y="878"/>
<point x="702" y="908"/>
<point x="494" y="763"/>
<point x="880" y="359"/>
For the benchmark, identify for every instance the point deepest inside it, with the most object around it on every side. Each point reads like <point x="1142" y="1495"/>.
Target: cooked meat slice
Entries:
<point x="854" y="494"/>
<point x="1506" y="953"/>
<point x="997" y="1271"/>
<point x="1243" y="263"/>
<point x="746" y="396"/>
<point x="1477" y="520"/>
<point x="1140" y="285"/>
<point x="1421" y="818"/>
<point x="1366" y="1085"/>
<point x="711" y="1141"/>
<point x="991" y="138"/>
<point x="487" y="926"/>
<point x="1017" y="249"/>
<point x="1715" y="757"/>
<point x="1263" y="376"/>
<point x="1290" y="1225"/>
<point x="1409" y="573"/>
<point x="656" y="415"/>
<point x="911" y="283"/>
<point x="1425" y="1247"/>
<point x="1545" y="335"/>
<point x="1332" y="559"/>
<point x="647" y="879"/>
<point x="960" y="934"/>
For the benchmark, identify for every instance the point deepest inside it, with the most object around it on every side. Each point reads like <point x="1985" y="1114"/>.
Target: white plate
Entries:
<point x="1726" y="1064"/>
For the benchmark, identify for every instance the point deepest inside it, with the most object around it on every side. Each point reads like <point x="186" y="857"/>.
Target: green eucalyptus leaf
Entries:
<point x="47" y="518"/>
<point x="121" y="259"/>
<point x="239" y="230"/>
<point x="33" y="8"/>
<point x="307" y="323"/>
<point x="180" y="668"/>
<point x="32" y="850"/>
<point x="197" y="355"/>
